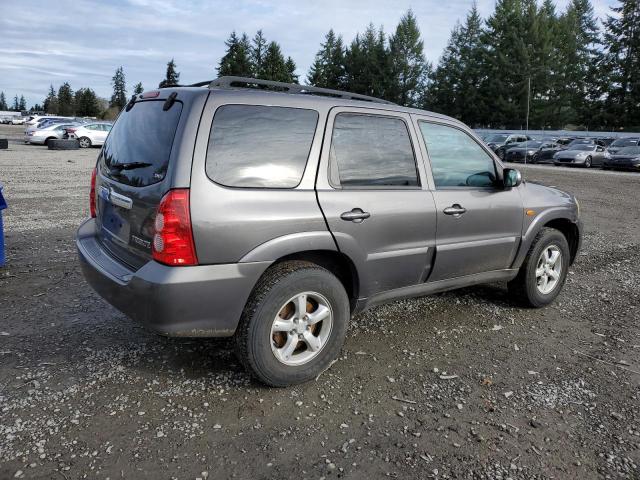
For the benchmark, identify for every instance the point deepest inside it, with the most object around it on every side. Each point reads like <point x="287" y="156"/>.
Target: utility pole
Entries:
<point x="526" y="144"/>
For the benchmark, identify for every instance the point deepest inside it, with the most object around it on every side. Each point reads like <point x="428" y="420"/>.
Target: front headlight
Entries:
<point x="607" y="155"/>
<point x="531" y="152"/>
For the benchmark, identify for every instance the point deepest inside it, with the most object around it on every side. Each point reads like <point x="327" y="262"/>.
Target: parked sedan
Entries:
<point x="501" y="142"/>
<point x="580" y="155"/>
<point x="90" y="133"/>
<point x="535" y="151"/>
<point x="621" y="143"/>
<point x="627" y="158"/>
<point x="43" y="135"/>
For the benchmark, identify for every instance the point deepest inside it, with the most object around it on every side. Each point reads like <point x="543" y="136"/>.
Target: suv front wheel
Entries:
<point x="543" y="271"/>
<point x="293" y="325"/>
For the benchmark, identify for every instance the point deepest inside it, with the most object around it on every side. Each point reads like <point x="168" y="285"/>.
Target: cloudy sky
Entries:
<point x="84" y="41"/>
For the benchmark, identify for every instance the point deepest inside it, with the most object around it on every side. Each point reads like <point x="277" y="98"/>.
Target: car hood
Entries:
<point x="572" y="153"/>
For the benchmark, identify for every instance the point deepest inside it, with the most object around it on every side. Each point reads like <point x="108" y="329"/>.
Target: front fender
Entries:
<point x="538" y="223"/>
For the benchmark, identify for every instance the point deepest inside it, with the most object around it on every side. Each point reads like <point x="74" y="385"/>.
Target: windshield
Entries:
<point x="629" y="151"/>
<point x="625" y="142"/>
<point x="497" y="138"/>
<point x="138" y="147"/>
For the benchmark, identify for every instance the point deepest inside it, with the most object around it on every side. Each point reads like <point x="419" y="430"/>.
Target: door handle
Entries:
<point x="456" y="210"/>
<point x="357" y="215"/>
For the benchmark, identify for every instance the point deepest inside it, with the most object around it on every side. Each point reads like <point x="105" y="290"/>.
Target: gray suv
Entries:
<point x="274" y="216"/>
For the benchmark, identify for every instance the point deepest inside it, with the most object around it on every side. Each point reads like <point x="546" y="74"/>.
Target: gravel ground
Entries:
<point x="457" y="385"/>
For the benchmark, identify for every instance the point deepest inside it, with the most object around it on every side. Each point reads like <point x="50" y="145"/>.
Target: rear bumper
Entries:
<point x="200" y="301"/>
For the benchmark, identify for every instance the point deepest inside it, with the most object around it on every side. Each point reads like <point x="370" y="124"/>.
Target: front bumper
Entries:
<point x="200" y="301"/>
<point x="623" y="165"/>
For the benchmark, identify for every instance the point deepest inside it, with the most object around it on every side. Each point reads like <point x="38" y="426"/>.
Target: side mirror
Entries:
<point x="512" y="177"/>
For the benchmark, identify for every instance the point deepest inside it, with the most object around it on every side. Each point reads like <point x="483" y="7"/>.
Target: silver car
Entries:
<point x="90" y="134"/>
<point x="273" y="217"/>
<point x="581" y="155"/>
<point x="42" y="135"/>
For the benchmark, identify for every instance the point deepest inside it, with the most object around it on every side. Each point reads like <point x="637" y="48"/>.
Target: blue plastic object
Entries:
<point x="3" y="205"/>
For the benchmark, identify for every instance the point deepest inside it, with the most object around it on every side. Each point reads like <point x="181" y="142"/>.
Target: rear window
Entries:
<point x="260" y="146"/>
<point x="139" y="144"/>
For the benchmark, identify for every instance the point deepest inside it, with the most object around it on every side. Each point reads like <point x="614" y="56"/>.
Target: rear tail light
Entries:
<point x="92" y="194"/>
<point x="173" y="237"/>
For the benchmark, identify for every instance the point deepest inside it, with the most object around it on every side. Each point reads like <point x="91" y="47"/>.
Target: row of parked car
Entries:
<point x="89" y="133"/>
<point x="604" y="152"/>
<point x="12" y="120"/>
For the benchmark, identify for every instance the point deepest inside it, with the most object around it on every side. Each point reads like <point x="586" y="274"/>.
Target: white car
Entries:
<point x="18" y="121"/>
<point x="52" y="132"/>
<point x="90" y="134"/>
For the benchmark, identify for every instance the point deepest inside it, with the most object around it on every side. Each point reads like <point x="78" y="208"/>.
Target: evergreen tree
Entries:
<point x="257" y="53"/>
<point x="275" y="66"/>
<point x="622" y="64"/>
<point x="36" y="108"/>
<point x="66" y="105"/>
<point x="328" y="69"/>
<point x="367" y="67"/>
<point x="236" y="60"/>
<point x="138" y="88"/>
<point x="291" y="70"/>
<point x="50" y="104"/>
<point x="172" y="77"/>
<point x="3" y="102"/>
<point x="22" y="104"/>
<point x="119" y="96"/>
<point x="408" y="65"/>
<point x="86" y="103"/>
<point x="16" y="104"/>
<point x="579" y="57"/>
<point x="506" y="65"/>
<point x="456" y="80"/>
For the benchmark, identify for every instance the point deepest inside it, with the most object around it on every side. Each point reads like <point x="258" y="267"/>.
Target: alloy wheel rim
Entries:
<point x="301" y="328"/>
<point x="548" y="269"/>
<point x="84" y="143"/>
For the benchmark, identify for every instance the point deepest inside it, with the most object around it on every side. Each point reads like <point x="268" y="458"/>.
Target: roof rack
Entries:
<point x="230" y="82"/>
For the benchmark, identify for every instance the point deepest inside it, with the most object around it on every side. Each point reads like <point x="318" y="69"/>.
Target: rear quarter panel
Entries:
<point x="231" y="223"/>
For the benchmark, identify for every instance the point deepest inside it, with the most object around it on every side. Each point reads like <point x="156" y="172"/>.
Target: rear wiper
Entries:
<point x="118" y="167"/>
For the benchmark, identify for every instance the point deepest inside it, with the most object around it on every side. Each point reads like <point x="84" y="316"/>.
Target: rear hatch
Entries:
<point x="132" y="178"/>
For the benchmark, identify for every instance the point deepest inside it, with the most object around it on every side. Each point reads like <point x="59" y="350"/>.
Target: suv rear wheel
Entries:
<point x="293" y="325"/>
<point x="544" y="270"/>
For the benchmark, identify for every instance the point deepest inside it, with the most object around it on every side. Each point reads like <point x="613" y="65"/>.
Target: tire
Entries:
<point x="588" y="162"/>
<point x="525" y="288"/>
<point x="84" y="142"/>
<point x="262" y="350"/>
<point x="58" y="144"/>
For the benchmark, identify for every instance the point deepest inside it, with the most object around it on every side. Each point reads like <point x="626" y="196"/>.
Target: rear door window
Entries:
<point x="256" y="146"/>
<point x="139" y="145"/>
<point x="371" y="151"/>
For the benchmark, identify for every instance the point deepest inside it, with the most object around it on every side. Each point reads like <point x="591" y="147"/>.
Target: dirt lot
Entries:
<point x="458" y="385"/>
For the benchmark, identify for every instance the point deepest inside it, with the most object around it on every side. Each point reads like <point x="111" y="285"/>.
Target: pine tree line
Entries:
<point x="564" y="67"/>
<point x="567" y="69"/>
